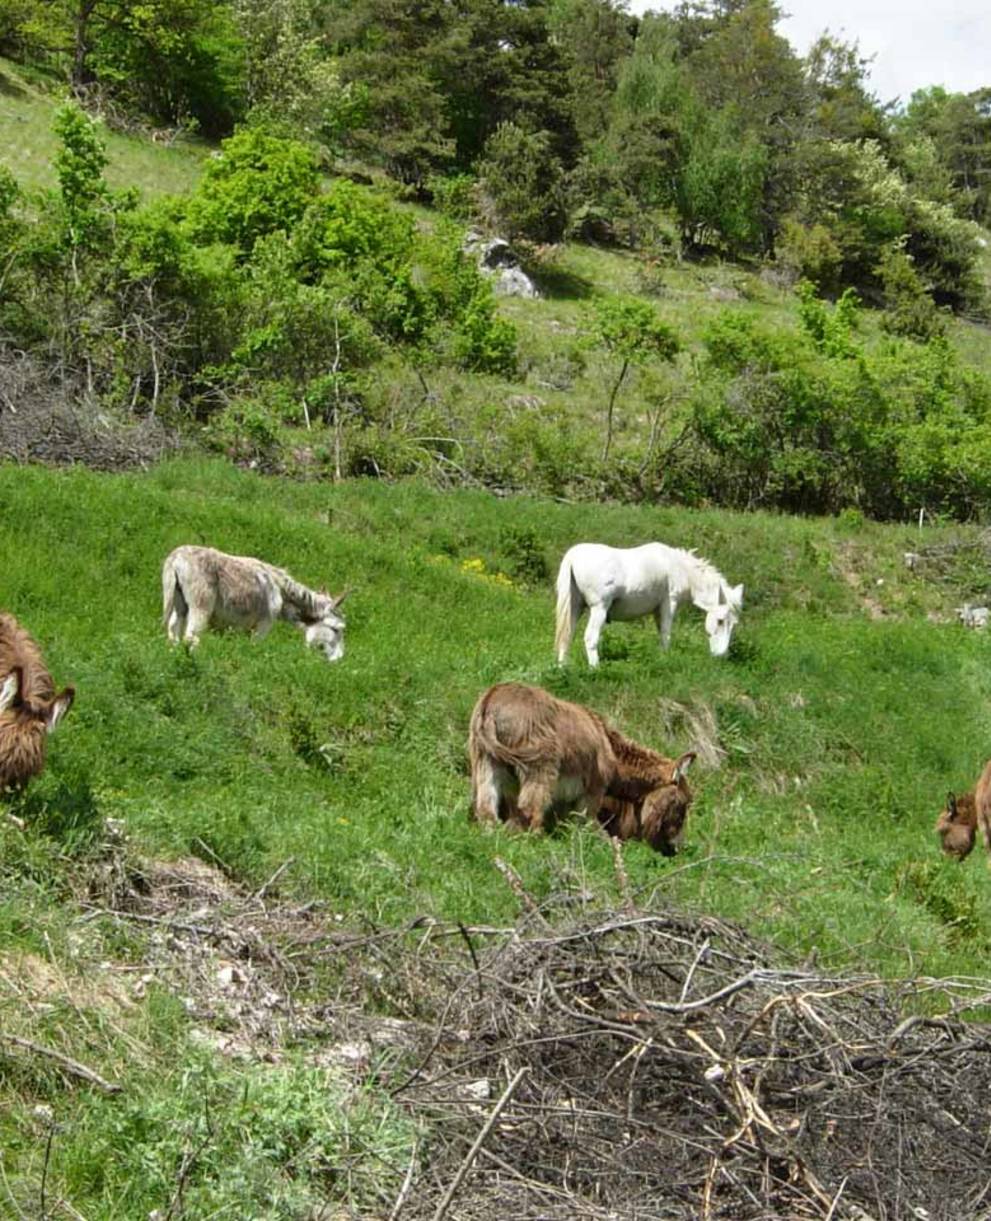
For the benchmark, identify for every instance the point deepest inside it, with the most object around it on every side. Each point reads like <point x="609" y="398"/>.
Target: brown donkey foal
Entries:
<point x="533" y="754"/>
<point x="29" y="707"/>
<point x="958" y="823"/>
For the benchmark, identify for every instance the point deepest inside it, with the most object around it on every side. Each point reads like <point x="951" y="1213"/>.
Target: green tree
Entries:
<point x="595" y="37"/>
<point x="522" y="181"/>
<point x="173" y="60"/>
<point x="388" y="48"/>
<point x="959" y="128"/>
<point x="631" y="332"/>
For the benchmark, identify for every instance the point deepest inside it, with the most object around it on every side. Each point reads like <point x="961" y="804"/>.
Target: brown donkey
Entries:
<point x="532" y="754"/>
<point x="29" y="707"/>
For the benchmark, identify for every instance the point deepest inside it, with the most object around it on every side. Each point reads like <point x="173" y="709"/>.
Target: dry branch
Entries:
<point x="71" y="1066"/>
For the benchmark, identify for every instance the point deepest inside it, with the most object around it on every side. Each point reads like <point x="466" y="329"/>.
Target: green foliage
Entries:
<point x="269" y="1140"/>
<point x="831" y="330"/>
<point x="909" y="310"/>
<point x="815" y="422"/>
<point x="631" y="331"/>
<point x="454" y="196"/>
<point x="258" y="184"/>
<point x="290" y="83"/>
<point x="79" y="163"/>
<point x="812" y="253"/>
<point x="522" y="182"/>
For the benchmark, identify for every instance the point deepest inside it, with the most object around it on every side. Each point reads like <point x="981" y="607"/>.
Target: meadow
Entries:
<point x="851" y="700"/>
<point x="829" y="736"/>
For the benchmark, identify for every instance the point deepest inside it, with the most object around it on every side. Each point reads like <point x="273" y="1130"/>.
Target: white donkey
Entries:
<point x="628" y="582"/>
<point x="202" y="587"/>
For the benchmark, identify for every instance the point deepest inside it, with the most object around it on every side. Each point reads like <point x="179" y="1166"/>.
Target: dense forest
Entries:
<point x="320" y="256"/>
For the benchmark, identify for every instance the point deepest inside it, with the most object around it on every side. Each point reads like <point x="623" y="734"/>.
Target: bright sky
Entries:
<point x="914" y="43"/>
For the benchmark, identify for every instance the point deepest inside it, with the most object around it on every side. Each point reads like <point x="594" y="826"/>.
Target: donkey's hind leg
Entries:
<point x="196" y="624"/>
<point x="593" y="630"/>
<point x="536" y="794"/>
<point x="176" y="624"/>
<point x="490" y="782"/>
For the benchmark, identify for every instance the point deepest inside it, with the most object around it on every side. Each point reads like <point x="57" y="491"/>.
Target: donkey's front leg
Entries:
<point x="593" y="630"/>
<point x="664" y="616"/>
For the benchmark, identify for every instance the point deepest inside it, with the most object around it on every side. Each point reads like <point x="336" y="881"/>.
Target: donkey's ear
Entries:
<point x="59" y="707"/>
<point x="737" y="594"/>
<point x="951" y="804"/>
<point x="9" y="688"/>
<point x="340" y="597"/>
<point x="682" y="766"/>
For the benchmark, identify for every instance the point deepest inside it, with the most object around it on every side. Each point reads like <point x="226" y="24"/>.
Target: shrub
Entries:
<point x="259" y="184"/>
<point x="522" y="182"/>
<point x="455" y="196"/>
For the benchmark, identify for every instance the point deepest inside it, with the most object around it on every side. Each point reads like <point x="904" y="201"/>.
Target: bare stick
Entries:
<point x="472" y="1153"/>
<point x="622" y="877"/>
<point x="397" y="1208"/>
<point x="70" y="1066"/>
<point x="263" y="890"/>
<point x="519" y="890"/>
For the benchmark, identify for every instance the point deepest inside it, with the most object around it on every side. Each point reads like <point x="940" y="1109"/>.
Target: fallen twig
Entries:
<point x="70" y="1065"/>
<point x="472" y="1153"/>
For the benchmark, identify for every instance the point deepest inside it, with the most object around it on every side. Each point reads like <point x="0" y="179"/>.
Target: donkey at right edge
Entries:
<point x="29" y="707"/>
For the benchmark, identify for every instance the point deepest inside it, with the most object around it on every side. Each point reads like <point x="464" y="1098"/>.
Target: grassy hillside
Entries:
<point x="837" y="725"/>
<point x="848" y="705"/>
<point x="27" y="144"/>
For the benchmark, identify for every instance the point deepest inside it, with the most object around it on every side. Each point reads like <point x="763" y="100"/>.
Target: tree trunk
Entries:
<point x="612" y="404"/>
<point x="80" y="55"/>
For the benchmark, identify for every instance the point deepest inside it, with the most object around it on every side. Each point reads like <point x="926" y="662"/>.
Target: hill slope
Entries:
<point x="828" y="737"/>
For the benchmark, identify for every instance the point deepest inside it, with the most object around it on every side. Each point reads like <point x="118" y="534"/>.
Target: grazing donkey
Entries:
<point x="202" y="587"/>
<point x="29" y="707"/>
<point x="532" y="753"/>
<point x="629" y="582"/>
<point x="958" y="823"/>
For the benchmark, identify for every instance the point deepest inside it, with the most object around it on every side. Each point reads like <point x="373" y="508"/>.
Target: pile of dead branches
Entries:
<point x="45" y="419"/>
<point x="595" y="1063"/>
<point x="655" y="1065"/>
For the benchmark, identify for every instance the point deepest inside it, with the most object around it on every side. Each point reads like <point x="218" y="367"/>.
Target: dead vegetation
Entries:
<point x="613" y="1063"/>
<point x="44" y="419"/>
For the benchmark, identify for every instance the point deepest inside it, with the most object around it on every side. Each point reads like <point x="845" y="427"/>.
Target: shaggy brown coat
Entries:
<point x="29" y="707"/>
<point x="959" y="821"/>
<point x="533" y="754"/>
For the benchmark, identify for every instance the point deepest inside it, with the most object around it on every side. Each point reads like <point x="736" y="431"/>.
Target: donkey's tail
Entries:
<point x="570" y="604"/>
<point x="173" y="598"/>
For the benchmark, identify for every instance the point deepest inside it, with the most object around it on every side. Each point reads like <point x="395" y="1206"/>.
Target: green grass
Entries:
<point x="841" y="733"/>
<point x="27" y="145"/>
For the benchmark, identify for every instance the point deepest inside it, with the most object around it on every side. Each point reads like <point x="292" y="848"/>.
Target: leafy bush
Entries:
<point x="257" y="185"/>
<point x="455" y="195"/>
<point x="909" y="310"/>
<point x="810" y="422"/>
<point x="522" y="182"/>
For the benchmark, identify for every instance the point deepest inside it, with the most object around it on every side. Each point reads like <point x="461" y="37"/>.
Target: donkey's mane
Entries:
<point x="301" y="596"/>
<point x="707" y="572"/>
<point x="631" y="756"/>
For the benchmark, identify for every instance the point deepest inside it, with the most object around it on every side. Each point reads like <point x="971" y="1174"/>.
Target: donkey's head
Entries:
<point x="722" y="617"/>
<point x="957" y="825"/>
<point x="327" y="632"/>
<point x="665" y="808"/>
<point x="25" y="724"/>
